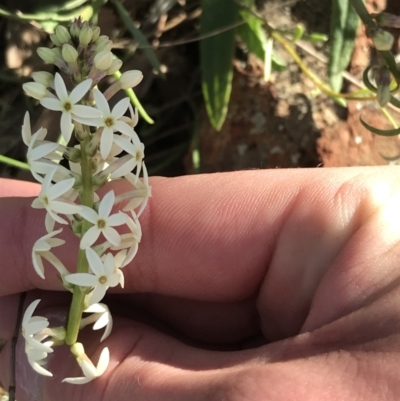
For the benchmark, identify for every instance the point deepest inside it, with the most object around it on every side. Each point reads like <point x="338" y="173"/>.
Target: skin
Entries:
<point x="248" y="286"/>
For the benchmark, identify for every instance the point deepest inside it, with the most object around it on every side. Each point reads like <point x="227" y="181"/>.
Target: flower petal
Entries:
<point x="66" y="126"/>
<point x="120" y="126"/>
<point x="52" y="104"/>
<point x="90" y="237"/>
<point x="120" y="108"/>
<point x="106" y="204"/>
<point x="95" y="262"/>
<point x="117" y="219"/>
<point x="101" y="102"/>
<point x="85" y="112"/>
<point x="80" y="90"/>
<point x="60" y="88"/>
<point x="112" y="236"/>
<point x="82" y="279"/>
<point x="106" y="142"/>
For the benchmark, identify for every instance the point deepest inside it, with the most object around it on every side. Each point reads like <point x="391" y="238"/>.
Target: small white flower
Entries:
<point x="41" y="249"/>
<point x="38" y="154"/>
<point x="89" y="370"/>
<point x="104" y="276"/>
<point x="67" y="104"/>
<point x="140" y="196"/>
<point x="110" y="121"/>
<point x="37" y="358"/>
<point x="50" y="198"/>
<point x="134" y="148"/>
<point x="32" y="326"/>
<point x="130" y="241"/>
<point x="103" y="222"/>
<point x="101" y="317"/>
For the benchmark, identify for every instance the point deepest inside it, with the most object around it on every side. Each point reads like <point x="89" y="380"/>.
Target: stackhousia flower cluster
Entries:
<point x="68" y="195"/>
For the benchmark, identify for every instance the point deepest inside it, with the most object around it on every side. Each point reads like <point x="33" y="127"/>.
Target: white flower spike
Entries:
<point x="69" y="195"/>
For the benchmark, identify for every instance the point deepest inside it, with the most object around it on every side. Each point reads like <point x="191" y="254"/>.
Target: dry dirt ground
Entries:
<point x="283" y="123"/>
<point x="286" y="123"/>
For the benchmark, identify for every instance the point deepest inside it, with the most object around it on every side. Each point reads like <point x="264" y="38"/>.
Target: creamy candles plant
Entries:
<point x="69" y="196"/>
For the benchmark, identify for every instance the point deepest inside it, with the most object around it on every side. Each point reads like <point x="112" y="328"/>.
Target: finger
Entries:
<point x="354" y="357"/>
<point x="219" y="240"/>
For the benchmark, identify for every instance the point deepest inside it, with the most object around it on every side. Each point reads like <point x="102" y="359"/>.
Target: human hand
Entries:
<point x="257" y="285"/>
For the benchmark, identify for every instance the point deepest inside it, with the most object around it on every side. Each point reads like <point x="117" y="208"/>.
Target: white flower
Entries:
<point x="110" y="121"/>
<point x="104" y="276"/>
<point x="103" y="222"/>
<point x="89" y="370"/>
<point x="37" y="358"/>
<point x="68" y="104"/>
<point x="38" y="154"/>
<point x="130" y="241"/>
<point x="142" y="193"/>
<point x="50" y="198"/>
<point x="32" y="326"/>
<point x="101" y="317"/>
<point x="134" y="148"/>
<point x="41" y="249"/>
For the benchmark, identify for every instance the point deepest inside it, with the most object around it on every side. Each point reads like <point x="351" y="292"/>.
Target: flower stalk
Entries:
<point x="68" y="195"/>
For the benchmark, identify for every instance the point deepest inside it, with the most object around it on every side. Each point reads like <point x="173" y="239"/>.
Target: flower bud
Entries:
<point x="47" y="55"/>
<point x="383" y="40"/>
<point x="131" y="78"/>
<point x="35" y="89"/>
<point x="103" y="60"/>
<point x="85" y="35"/>
<point x="74" y="30"/>
<point x="103" y="44"/>
<point x="43" y="77"/>
<point x="114" y="67"/>
<point x="62" y="34"/>
<point x="54" y="39"/>
<point x="96" y="33"/>
<point x="69" y="53"/>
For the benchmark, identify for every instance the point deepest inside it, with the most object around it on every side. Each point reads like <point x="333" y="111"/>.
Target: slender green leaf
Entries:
<point x="255" y="38"/>
<point x="216" y="53"/>
<point x="138" y="35"/>
<point x="389" y="132"/>
<point x="344" y="25"/>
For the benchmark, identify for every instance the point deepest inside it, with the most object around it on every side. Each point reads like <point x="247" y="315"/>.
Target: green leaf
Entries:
<point x="252" y="34"/>
<point x="138" y="35"/>
<point x="216" y="53"/>
<point x="389" y="132"/>
<point x="255" y="38"/>
<point x="344" y="25"/>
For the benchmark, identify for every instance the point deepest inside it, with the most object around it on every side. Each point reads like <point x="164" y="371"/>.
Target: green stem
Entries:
<point x="76" y="309"/>
<point x="135" y="101"/>
<point x="363" y="13"/>
<point x="14" y="163"/>
<point x="318" y="83"/>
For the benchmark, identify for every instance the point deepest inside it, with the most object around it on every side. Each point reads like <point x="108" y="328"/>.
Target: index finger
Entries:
<point x="207" y="237"/>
